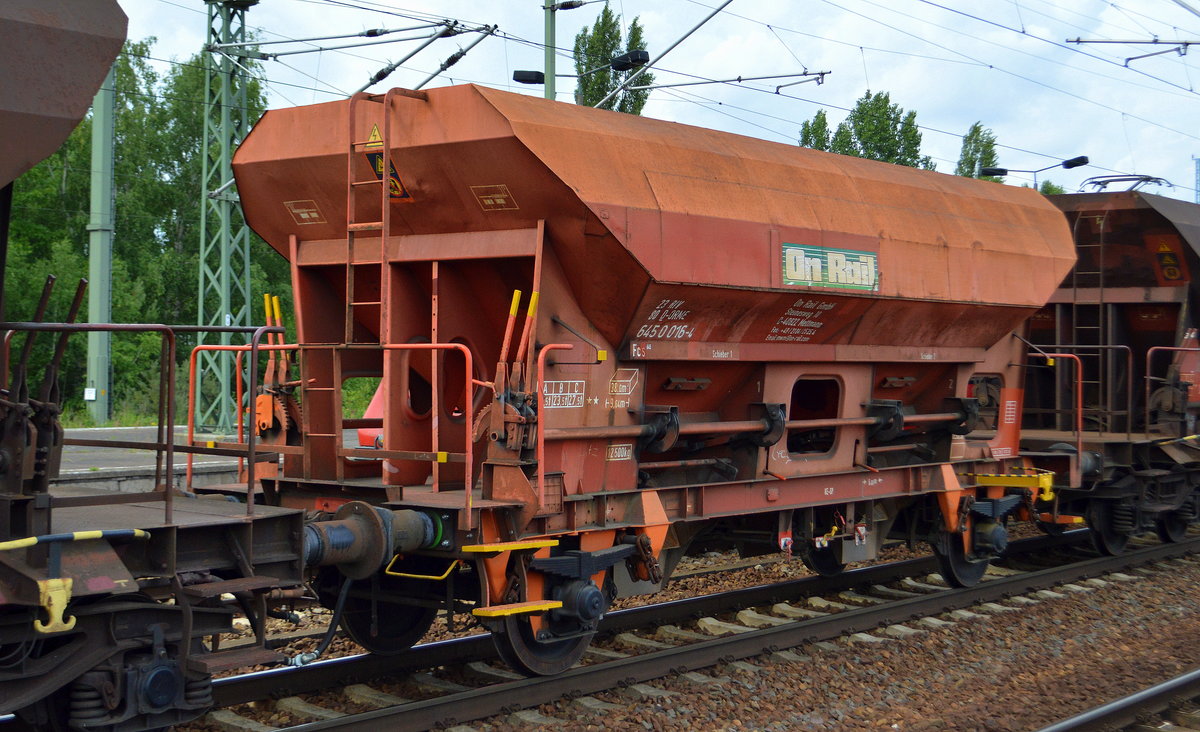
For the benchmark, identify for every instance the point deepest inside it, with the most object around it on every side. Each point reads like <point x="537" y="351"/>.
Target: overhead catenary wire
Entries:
<point x="709" y="103"/>
<point x="448" y="28"/>
<point x="376" y="7"/>
<point x="261" y="29"/>
<point x="1054" y="43"/>
<point x="1092" y="100"/>
<point x="1183" y="92"/>
<point x="274" y="55"/>
<point x="1045" y="85"/>
<point x="923" y="127"/>
<point x="371" y="33"/>
<point x="1028" y="8"/>
<point x="971" y="60"/>
<point x="456" y="56"/>
<point x="802" y="99"/>
<point x="817" y="76"/>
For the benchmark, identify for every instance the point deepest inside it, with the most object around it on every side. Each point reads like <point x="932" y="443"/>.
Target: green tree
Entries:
<point x="814" y="133"/>
<point x="978" y="151"/>
<point x="876" y="129"/>
<point x="159" y="128"/>
<point x="1048" y="188"/>
<point x="595" y="49"/>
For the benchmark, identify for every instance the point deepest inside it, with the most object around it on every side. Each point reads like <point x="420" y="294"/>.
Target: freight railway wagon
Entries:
<point x="605" y="342"/>
<point x="1124" y="393"/>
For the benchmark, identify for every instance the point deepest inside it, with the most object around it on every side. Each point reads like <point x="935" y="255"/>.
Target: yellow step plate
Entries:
<point x="517" y="608"/>
<point x="1062" y="519"/>
<point x="509" y="546"/>
<point x="1043" y="479"/>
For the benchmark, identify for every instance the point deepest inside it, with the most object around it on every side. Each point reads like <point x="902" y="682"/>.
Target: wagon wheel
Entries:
<point x="555" y="646"/>
<point x="1171" y="527"/>
<point x="383" y="628"/>
<point x="957" y="568"/>
<point x="823" y="561"/>
<point x="1105" y="536"/>
<point x="388" y="630"/>
<point x="516" y="643"/>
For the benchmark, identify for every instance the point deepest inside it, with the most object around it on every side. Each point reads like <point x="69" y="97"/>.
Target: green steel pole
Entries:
<point x="101" y="223"/>
<point x="549" y="85"/>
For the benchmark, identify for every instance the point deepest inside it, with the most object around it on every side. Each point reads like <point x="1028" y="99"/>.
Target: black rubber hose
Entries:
<point x="304" y="659"/>
<point x="337" y="616"/>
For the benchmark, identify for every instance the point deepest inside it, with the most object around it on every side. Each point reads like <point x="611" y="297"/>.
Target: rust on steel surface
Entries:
<point x="55" y="54"/>
<point x="641" y="211"/>
<point x="687" y="267"/>
<point x="1183" y="215"/>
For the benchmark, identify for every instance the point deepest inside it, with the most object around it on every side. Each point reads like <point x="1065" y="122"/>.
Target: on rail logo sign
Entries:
<point x="847" y="269"/>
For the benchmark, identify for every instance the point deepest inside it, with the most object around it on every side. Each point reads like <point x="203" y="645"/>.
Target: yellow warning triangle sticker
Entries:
<point x="376" y="140"/>
<point x="1161" y="247"/>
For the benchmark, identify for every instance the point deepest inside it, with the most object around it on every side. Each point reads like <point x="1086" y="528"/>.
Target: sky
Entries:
<point x="1005" y="63"/>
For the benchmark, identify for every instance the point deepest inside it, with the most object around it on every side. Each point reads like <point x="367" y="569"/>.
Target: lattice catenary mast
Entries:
<point x="224" y="236"/>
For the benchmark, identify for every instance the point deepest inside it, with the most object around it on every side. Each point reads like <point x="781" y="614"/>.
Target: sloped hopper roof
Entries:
<point x="679" y="200"/>
<point x="54" y="54"/>
<point x="1183" y="215"/>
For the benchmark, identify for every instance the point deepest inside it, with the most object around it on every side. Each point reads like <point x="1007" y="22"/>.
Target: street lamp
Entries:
<point x="624" y="62"/>
<point x="1068" y="164"/>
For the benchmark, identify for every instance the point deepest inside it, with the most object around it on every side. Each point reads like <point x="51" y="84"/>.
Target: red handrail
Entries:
<point x="468" y="411"/>
<point x="1128" y="373"/>
<point x="541" y="425"/>
<point x="1075" y="474"/>
<point x="240" y="390"/>
<point x="166" y="405"/>
<point x="469" y="388"/>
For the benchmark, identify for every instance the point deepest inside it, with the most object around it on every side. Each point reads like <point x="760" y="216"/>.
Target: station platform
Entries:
<point x="132" y="471"/>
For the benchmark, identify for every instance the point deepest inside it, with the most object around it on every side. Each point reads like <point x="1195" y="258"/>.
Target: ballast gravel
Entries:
<point x="1017" y="670"/>
<point x="1002" y="672"/>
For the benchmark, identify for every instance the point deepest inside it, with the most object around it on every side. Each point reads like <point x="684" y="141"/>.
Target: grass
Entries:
<point x="78" y="416"/>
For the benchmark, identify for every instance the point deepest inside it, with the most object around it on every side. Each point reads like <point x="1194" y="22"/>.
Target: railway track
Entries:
<point x="438" y="682"/>
<point x="362" y="668"/>
<point x="283" y="639"/>
<point x="661" y="646"/>
<point x="1131" y="712"/>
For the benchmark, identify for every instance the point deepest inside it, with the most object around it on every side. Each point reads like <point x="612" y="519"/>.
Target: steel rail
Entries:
<point x="1130" y="709"/>
<point x="499" y="698"/>
<point x="285" y="681"/>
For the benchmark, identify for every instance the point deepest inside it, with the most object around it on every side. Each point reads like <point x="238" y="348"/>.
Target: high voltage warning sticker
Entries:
<point x="396" y="189"/>
<point x="1169" y="265"/>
